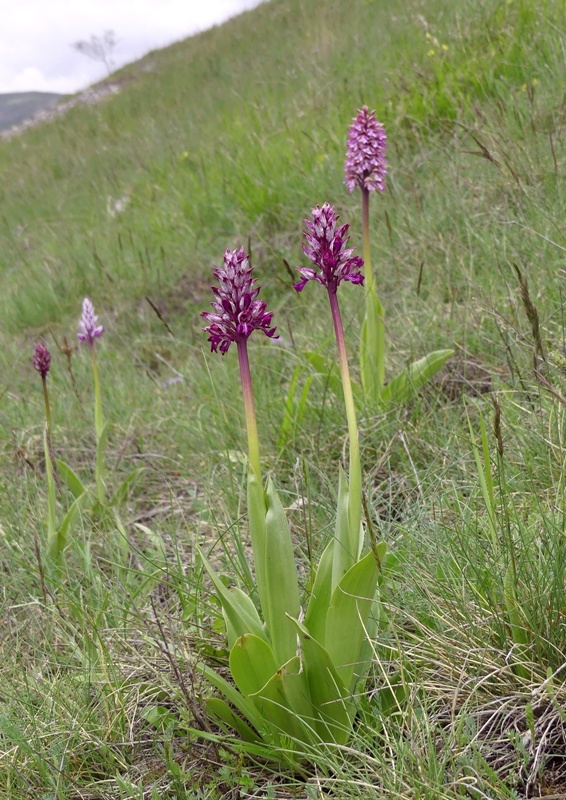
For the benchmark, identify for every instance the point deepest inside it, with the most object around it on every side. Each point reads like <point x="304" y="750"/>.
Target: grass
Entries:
<point x="232" y="136"/>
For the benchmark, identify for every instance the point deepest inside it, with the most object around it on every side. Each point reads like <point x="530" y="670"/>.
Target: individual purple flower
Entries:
<point x="366" y="164"/>
<point x="90" y="330"/>
<point x="237" y="312"/>
<point x="42" y="359"/>
<point x="327" y="250"/>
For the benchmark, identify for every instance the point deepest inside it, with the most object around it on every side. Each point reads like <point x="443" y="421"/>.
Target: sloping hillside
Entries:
<point x="229" y="139"/>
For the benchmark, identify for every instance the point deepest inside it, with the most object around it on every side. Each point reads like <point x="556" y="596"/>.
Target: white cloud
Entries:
<point x="32" y="79"/>
<point x="36" y="52"/>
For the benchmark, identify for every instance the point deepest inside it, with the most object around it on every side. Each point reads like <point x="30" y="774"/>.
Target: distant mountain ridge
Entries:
<point x="16" y="107"/>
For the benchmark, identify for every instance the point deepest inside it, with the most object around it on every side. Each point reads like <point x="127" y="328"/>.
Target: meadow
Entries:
<point x="229" y="139"/>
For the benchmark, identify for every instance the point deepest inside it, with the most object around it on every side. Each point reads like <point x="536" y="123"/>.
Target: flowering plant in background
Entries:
<point x="42" y="363"/>
<point x="56" y="536"/>
<point x="365" y="169"/>
<point x="89" y="332"/>
<point x="295" y="679"/>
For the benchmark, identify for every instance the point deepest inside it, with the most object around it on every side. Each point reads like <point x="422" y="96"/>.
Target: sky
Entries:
<point x="37" y="36"/>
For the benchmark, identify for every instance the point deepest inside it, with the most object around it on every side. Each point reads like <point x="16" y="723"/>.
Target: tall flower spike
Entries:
<point x="89" y="329"/>
<point x="237" y="312"/>
<point x="42" y="359"/>
<point x="327" y="250"/>
<point x="365" y="157"/>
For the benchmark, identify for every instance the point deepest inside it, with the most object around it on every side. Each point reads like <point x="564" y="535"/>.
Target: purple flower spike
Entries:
<point x="365" y="157"/>
<point x="237" y="313"/>
<point x="327" y="250"/>
<point x="42" y="359"/>
<point x="90" y="330"/>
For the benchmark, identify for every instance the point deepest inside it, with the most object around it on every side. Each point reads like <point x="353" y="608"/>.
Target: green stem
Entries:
<point x="50" y="475"/>
<point x="52" y="543"/>
<point x="99" y="430"/>
<point x="355" y="476"/>
<point x="47" y="406"/>
<point x="256" y="498"/>
<point x="249" y="408"/>
<point x="370" y="283"/>
<point x="373" y="332"/>
<point x="98" y="418"/>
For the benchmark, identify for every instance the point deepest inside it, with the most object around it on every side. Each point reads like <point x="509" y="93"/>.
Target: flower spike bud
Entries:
<point x="89" y="329"/>
<point x="237" y="312"/>
<point x="328" y="251"/>
<point x="366" y="164"/>
<point x="42" y="359"/>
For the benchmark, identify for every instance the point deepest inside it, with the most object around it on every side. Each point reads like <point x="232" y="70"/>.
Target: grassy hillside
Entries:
<point x="230" y="138"/>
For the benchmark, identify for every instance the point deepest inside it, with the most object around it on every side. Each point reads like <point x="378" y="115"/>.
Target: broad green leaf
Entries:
<point x="372" y="350"/>
<point x="281" y="579"/>
<point x="409" y="382"/>
<point x="343" y="557"/>
<point x="69" y="517"/>
<point x="347" y="620"/>
<point x="321" y="367"/>
<point x="71" y="479"/>
<point x="333" y="379"/>
<point x="296" y="689"/>
<point x="274" y="707"/>
<point x="57" y="543"/>
<point x="221" y="712"/>
<point x="246" y="602"/>
<point x="232" y="695"/>
<point x="264" y="751"/>
<point x="121" y="494"/>
<point x="160" y="717"/>
<point x="319" y="601"/>
<point x="241" y="616"/>
<point x="331" y="701"/>
<point x="252" y="663"/>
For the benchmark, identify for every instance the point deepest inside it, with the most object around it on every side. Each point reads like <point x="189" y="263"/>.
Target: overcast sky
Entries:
<point x="36" y="36"/>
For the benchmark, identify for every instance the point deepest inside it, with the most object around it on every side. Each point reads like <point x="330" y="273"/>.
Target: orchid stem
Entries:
<point x="368" y="272"/>
<point x="99" y="430"/>
<point x="249" y="408"/>
<point x="355" y="476"/>
<point x="98" y="418"/>
<point x="373" y="336"/>
<point x="52" y="538"/>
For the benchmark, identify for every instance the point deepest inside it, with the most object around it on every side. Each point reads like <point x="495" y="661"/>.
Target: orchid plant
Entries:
<point x="105" y="493"/>
<point x="56" y="534"/>
<point x="89" y="333"/>
<point x="294" y="673"/>
<point x="365" y="169"/>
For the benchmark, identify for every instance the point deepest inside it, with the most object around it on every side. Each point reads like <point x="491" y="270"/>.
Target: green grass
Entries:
<point x="229" y="137"/>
